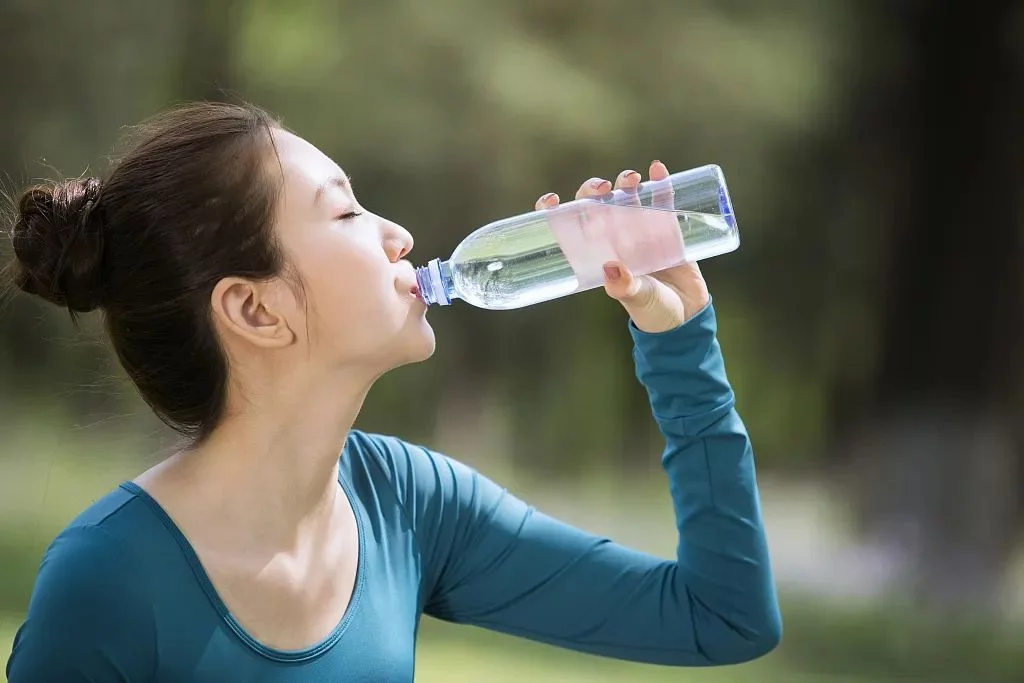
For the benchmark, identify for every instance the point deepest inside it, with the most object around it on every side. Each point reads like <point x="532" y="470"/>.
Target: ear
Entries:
<point x="252" y="311"/>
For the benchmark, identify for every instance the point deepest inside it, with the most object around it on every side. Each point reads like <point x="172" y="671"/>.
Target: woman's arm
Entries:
<point x="489" y="559"/>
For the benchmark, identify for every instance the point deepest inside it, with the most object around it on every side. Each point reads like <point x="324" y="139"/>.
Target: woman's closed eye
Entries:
<point x="348" y="215"/>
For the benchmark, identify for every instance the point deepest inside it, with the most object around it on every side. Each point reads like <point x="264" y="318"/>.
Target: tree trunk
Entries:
<point x="931" y="434"/>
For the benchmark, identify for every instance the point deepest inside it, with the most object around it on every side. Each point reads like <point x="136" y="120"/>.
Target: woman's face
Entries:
<point x="361" y="305"/>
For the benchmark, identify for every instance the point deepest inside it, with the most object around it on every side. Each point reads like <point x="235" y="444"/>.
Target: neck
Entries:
<point x="273" y="469"/>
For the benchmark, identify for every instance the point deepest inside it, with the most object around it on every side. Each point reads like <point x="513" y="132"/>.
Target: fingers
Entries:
<point x="635" y="293"/>
<point x="628" y="181"/>
<point x="662" y="196"/>
<point x="658" y="170"/>
<point x="595" y="187"/>
<point x="619" y="281"/>
<point x="547" y="201"/>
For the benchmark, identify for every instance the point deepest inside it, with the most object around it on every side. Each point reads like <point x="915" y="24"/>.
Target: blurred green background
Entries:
<point x="872" y="319"/>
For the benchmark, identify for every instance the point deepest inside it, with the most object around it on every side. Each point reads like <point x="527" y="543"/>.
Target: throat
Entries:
<point x="292" y="598"/>
<point x="287" y="590"/>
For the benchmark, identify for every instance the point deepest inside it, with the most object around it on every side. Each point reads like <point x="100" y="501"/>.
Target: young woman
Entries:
<point x="253" y="301"/>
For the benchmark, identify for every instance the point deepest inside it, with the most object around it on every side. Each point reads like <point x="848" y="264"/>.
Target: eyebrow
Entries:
<point x="337" y="181"/>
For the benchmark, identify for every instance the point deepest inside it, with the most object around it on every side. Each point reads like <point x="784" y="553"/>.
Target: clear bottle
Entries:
<point x="550" y="253"/>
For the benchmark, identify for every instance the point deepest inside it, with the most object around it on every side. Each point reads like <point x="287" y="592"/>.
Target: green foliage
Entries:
<point x="449" y="115"/>
<point x="889" y="641"/>
<point x="454" y="654"/>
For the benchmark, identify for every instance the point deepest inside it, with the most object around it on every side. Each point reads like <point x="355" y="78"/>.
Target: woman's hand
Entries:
<point x="657" y="302"/>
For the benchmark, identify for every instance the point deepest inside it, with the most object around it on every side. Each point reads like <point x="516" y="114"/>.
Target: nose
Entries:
<point x="397" y="241"/>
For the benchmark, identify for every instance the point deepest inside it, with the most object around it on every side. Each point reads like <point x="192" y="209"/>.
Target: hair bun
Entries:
<point x="58" y="244"/>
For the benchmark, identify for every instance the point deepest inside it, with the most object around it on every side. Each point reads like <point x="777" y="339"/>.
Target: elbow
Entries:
<point x="756" y="641"/>
<point x="773" y="635"/>
<point x="759" y="646"/>
<point x="729" y="640"/>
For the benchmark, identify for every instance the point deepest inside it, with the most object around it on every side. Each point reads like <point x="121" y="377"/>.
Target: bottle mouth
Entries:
<point x="430" y="284"/>
<point x="422" y="284"/>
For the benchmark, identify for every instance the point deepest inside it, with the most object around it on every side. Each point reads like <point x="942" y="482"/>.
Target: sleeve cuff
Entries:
<point x="699" y="326"/>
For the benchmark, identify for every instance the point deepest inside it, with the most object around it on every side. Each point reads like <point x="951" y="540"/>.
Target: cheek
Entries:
<point x="336" y="268"/>
<point x="352" y="287"/>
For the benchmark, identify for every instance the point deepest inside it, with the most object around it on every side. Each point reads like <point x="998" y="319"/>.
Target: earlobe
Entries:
<point x="243" y="308"/>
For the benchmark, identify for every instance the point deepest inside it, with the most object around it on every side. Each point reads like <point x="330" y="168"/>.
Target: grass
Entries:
<point x="8" y="624"/>
<point x="50" y="476"/>
<point x="464" y="655"/>
<point x="460" y="655"/>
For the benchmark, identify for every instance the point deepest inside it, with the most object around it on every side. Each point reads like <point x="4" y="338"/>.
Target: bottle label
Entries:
<point x="591" y="234"/>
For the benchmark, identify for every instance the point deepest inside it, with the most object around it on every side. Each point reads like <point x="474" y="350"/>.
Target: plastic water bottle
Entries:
<point x="550" y="253"/>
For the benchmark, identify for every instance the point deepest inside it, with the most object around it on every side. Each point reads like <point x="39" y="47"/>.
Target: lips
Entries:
<point x="408" y="279"/>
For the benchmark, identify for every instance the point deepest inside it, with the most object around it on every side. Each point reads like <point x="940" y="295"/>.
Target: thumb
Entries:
<point x="620" y="283"/>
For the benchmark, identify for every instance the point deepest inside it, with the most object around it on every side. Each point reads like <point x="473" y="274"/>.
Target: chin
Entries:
<point x="419" y="344"/>
<point x="427" y="343"/>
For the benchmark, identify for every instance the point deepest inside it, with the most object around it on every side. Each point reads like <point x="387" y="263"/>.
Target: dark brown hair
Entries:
<point x="189" y="203"/>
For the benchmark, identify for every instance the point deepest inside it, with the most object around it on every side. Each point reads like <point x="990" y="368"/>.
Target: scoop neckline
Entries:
<point x="211" y="592"/>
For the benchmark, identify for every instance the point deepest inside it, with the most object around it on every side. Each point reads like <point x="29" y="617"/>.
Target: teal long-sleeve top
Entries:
<point x="121" y="595"/>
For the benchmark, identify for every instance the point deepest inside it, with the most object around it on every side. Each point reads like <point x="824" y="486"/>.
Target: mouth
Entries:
<point x="408" y="280"/>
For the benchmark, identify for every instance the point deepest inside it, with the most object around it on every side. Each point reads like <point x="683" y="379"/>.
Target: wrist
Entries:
<point x="698" y="318"/>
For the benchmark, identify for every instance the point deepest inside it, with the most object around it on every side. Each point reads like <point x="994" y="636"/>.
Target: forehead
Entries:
<point x="304" y="166"/>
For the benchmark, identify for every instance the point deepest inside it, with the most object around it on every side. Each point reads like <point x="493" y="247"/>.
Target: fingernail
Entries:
<point x="546" y="199"/>
<point x="598" y="183"/>
<point x="628" y="174"/>
<point x="612" y="272"/>
<point x="655" y="162"/>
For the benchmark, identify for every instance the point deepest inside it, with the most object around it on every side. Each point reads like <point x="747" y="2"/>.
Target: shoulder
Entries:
<point x="89" y="556"/>
<point x="427" y="483"/>
<point x="405" y="466"/>
<point x="95" y="547"/>
<point x="386" y="456"/>
<point x="94" y="557"/>
<point x="449" y="506"/>
<point x="91" y="602"/>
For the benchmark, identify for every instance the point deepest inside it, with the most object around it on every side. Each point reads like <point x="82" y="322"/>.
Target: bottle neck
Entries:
<point x="435" y="283"/>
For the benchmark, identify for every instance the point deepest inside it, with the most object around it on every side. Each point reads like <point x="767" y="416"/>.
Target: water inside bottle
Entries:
<point x="511" y="265"/>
